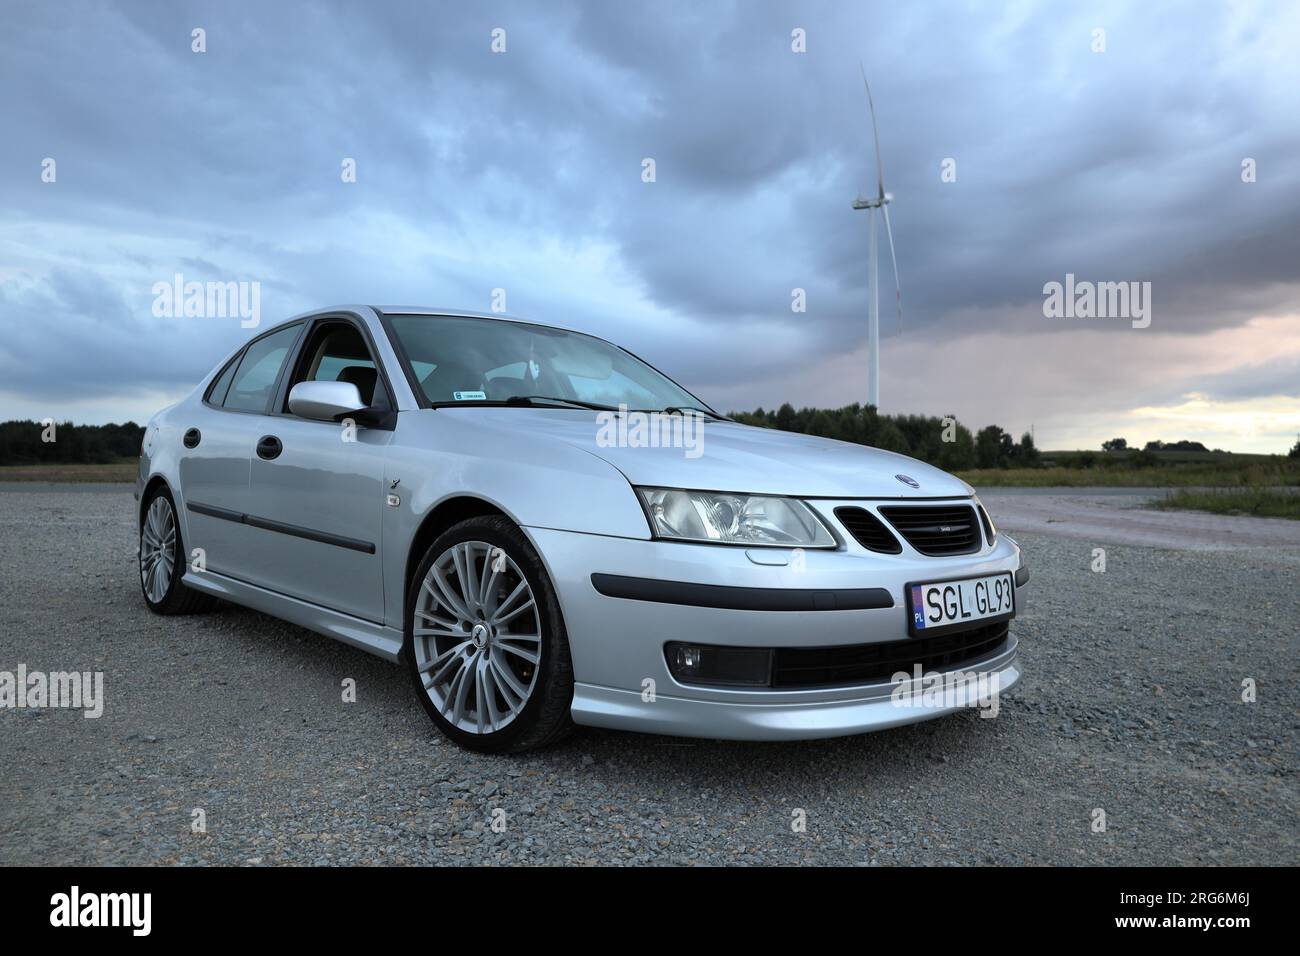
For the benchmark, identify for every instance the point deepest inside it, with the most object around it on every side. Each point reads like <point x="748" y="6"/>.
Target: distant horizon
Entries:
<point x="1133" y="444"/>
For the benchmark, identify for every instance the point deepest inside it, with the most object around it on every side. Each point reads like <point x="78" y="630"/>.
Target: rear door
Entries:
<point x="218" y="439"/>
<point x="317" y="494"/>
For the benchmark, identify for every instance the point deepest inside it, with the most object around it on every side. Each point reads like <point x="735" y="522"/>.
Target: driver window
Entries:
<point x="337" y="352"/>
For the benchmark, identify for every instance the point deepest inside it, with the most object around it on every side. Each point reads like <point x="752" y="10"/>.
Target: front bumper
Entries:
<point x="621" y="677"/>
<point x="861" y="710"/>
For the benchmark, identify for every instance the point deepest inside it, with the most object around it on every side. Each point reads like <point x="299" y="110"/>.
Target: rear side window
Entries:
<point x="217" y="393"/>
<point x="253" y="382"/>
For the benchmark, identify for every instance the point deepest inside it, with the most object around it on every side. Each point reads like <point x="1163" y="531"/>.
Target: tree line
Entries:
<point x="943" y="442"/>
<point x="35" y="443"/>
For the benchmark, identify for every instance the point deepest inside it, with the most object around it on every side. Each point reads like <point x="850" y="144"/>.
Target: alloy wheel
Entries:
<point x="477" y="637"/>
<point x="157" y="549"/>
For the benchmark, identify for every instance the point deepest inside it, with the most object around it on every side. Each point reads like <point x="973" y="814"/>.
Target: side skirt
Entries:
<point x="377" y="639"/>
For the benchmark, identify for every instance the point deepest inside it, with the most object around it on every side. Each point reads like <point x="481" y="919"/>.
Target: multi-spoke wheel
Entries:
<point x="157" y="549"/>
<point x="485" y="639"/>
<point x="162" y="559"/>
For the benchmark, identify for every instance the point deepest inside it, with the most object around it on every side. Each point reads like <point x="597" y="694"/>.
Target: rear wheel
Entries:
<point x="162" y="560"/>
<point x="486" y="642"/>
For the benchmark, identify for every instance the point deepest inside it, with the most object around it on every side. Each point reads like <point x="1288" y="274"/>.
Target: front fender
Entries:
<point x="536" y="481"/>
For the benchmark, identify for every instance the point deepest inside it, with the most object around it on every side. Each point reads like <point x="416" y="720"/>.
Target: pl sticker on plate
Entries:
<point x="469" y="396"/>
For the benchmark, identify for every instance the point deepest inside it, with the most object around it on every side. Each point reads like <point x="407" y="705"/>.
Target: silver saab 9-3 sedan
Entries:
<point x="546" y="531"/>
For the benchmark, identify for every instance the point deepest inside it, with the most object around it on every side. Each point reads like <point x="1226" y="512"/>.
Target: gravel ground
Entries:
<point x="1131" y="704"/>
<point x="1121" y="516"/>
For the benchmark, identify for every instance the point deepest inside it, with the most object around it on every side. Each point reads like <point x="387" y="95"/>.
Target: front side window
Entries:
<point x="337" y="352"/>
<point x="250" y="389"/>
<point x="460" y="361"/>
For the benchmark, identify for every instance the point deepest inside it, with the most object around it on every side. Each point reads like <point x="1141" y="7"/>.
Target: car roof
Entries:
<point x="383" y="310"/>
<point x="453" y="313"/>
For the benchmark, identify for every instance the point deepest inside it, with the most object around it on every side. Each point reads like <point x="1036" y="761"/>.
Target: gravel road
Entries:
<point x="1120" y="516"/>
<point x="1131" y="704"/>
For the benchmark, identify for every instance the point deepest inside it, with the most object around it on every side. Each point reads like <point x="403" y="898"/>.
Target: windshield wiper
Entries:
<point x="683" y="409"/>
<point x="542" y="401"/>
<point x="537" y="399"/>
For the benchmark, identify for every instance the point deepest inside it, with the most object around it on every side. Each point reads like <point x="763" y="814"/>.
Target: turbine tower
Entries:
<point x="880" y="201"/>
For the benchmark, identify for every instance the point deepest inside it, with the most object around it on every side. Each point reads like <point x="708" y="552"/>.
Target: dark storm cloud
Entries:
<point x="1113" y="166"/>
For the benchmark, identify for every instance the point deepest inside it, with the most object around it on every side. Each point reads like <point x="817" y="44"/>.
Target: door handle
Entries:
<point x="269" y="447"/>
<point x="192" y="438"/>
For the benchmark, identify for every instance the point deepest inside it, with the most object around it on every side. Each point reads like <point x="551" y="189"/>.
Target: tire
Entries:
<point x="469" y="640"/>
<point x="160" y="581"/>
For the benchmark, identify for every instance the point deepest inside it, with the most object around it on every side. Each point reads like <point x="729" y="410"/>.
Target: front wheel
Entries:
<point x="486" y="642"/>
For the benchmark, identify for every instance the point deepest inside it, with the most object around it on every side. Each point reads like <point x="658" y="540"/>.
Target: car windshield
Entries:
<point x="459" y="361"/>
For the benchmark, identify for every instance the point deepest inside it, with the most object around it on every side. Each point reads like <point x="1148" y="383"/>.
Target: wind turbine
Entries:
<point x="881" y="202"/>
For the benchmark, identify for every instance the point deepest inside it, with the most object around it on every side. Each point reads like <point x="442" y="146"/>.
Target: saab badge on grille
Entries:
<point x="908" y="480"/>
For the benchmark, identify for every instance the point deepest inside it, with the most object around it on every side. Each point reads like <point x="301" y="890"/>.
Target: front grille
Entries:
<point x="796" y="667"/>
<point x="868" y="530"/>
<point x="936" y="530"/>
<point x="988" y="525"/>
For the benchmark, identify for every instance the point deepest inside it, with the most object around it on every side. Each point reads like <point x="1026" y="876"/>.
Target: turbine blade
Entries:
<point x="880" y="169"/>
<point x="898" y="283"/>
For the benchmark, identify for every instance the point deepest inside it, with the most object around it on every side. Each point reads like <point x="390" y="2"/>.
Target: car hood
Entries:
<point x="730" y="457"/>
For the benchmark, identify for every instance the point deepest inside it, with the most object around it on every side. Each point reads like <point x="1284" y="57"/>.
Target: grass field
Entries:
<point x="1159" y="476"/>
<point x="1231" y="471"/>
<point x="123" y="470"/>
<point x="1260" y="502"/>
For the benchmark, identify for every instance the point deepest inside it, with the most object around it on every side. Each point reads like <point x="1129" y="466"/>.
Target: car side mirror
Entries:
<point x="324" y="401"/>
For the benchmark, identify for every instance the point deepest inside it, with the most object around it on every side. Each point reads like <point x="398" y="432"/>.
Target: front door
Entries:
<point x="316" y="494"/>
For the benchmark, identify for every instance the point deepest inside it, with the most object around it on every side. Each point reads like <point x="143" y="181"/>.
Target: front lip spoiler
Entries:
<point x="776" y="715"/>
<point x="741" y="599"/>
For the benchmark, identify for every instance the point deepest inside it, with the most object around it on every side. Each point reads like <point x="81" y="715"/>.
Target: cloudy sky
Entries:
<point x="522" y="170"/>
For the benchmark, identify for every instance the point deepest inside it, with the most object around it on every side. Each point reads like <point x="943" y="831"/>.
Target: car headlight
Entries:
<point x="717" y="517"/>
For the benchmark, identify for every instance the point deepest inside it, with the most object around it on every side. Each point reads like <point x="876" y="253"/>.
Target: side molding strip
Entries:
<point x="266" y="524"/>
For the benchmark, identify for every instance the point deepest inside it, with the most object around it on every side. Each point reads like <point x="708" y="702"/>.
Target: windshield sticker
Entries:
<point x="469" y="396"/>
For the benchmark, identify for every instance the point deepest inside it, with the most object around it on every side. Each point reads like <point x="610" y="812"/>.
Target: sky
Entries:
<point x="1021" y="142"/>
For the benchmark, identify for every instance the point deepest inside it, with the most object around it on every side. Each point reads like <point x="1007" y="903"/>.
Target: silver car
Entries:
<point x="546" y="531"/>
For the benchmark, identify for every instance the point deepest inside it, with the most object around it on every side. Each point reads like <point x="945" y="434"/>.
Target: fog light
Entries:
<point x="717" y="664"/>
<point x="688" y="657"/>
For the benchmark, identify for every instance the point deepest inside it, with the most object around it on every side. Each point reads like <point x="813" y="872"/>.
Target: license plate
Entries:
<point x="939" y="606"/>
